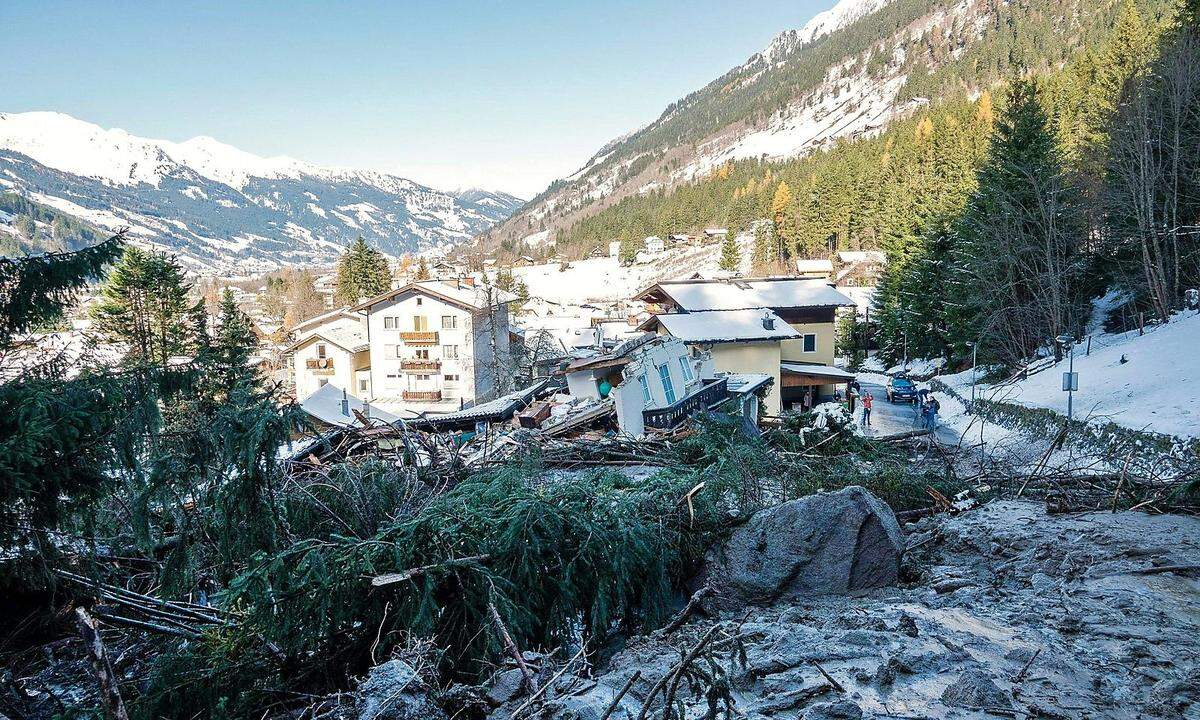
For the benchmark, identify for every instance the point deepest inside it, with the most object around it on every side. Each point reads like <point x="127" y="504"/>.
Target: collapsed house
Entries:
<point x="784" y="327"/>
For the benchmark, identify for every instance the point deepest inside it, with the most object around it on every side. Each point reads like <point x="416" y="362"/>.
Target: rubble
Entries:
<point x="1058" y="616"/>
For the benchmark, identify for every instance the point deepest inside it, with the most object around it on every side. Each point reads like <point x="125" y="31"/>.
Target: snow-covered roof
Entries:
<point x="717" y="326"/>
<point x="326" y="405"/>
<point x="805" y="265"/>
<point x="500" y="408"/>
<point x="825" y="371"/>
<point x="858" y="256"/>
<point x="313" y="323"/>
<point x="472" y="297"/>
<point x="700" y="295"/>
<point x="746" y="382"/>
<point x="346" y="334"/>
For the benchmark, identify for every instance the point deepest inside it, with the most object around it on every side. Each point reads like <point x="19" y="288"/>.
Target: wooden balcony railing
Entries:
<point x="423" y="395"/>
<point x="420" y="365"/>
<point x="319" y="365"/>
<point x="668" y="417"/>
<point x="420" y="337"/>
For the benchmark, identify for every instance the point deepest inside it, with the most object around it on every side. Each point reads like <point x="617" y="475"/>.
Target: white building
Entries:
<point x="614" y="248"/>
<point x="437" y="346"/>
<point x="654" y="244"/>
<point x="331" y="349"/>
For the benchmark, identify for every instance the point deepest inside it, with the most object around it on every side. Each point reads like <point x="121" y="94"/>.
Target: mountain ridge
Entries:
<point x="222" y="208"/>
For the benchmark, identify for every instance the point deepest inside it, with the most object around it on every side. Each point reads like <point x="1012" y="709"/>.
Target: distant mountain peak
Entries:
<point x="223" y="208"/>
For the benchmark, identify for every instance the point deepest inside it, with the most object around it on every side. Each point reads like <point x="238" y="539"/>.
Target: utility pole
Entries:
<point x="974" y="345"/>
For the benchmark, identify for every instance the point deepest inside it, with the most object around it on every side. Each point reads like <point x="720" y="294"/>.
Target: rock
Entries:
<point x="395" y="691"/>
<point x="836" y="710"/>
<point x="832" y="543"/>
<point x="975" y="689"/>
<point x="908" y="626"/>
<point x="506" y="685"/>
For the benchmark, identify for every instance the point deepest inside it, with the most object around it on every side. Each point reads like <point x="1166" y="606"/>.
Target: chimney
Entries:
<point x="768" y="321"/>
<point x="345" y="404"/>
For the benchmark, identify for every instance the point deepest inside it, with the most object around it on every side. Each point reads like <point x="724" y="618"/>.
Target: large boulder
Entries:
<point x="832" y="543"/>
<point x="395" y="691"/>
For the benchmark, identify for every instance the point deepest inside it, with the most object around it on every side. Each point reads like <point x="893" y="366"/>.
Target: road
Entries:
<point x="889" y="419"/>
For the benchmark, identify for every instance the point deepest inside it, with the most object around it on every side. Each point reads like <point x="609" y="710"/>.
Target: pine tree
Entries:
<point x="1016" y="253"/>
<point x="731" y="257"/>
<point x="144" y="302"/>
<point x="362" y="273"/>
<point x="232" y="347"/>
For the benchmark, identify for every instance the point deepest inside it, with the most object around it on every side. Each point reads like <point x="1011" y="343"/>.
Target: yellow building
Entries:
<point x="727" y="318"/>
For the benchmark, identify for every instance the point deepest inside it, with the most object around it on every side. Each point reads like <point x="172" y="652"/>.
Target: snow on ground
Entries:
<point x="1149" y="382"/>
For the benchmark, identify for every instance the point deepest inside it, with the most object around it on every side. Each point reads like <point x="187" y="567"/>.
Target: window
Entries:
<point x="810" y="343"/>
<point x="320" y="351"/>
<point x="389" y="322"/>
<point x="362" y="385"/>
<point x="449" y="322"/>
<point x="423" y="354"/>
<point x="686" y="367"/>
<point x="420" y="323"/>
<point x="450" y="352"/>
<point x="389" y="351"/>
<point x="664" y="373"/>
<point x="399" y="350"/>
<point x="420" y="300"/>
<point x="450" y="378"/>
<point x="645" y="390"/>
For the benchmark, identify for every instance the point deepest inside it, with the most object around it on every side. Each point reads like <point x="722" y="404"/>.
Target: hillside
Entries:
<point x="849" y="73"/>
<point x="224" y="209"/>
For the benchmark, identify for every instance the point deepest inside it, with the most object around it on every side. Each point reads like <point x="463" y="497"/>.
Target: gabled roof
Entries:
<point x="746" y="293"/>
<point x="332" y="315"/>
<point x="346" y="336"/>
<point x="722" y="326"/>
<point x="468" y="297"/>
<point x="814" y="265"/>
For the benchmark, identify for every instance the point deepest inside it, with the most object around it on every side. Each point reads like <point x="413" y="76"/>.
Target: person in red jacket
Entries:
<point x="867" y="401"/>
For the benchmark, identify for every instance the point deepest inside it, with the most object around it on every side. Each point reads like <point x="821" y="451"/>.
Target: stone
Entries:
<point x="836" y="710"/>
<point x="506" y="685"/>
<point x="395" y="691"/>
<point x="975" y="689"/>
<point x="831" y="543"/>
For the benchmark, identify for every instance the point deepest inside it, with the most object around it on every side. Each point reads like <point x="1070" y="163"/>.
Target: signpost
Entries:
<point x="1070" y="381"/>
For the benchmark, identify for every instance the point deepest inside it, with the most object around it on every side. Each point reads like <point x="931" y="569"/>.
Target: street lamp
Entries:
<point x="1070" y="378"/>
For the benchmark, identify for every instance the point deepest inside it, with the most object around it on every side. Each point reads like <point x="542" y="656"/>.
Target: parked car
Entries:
<point x="901" y="389"/>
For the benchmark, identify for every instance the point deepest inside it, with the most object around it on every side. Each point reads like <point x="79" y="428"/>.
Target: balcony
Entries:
<point x="319" y="366"/>
<point x="668" y="417"/>
<point x="420" y="337"/>
<point x="422" y="395"/>
<point x="421" y="365"/>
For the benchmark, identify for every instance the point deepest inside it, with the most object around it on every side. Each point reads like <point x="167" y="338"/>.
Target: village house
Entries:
<point x="652" y="383"/>
<point x="331" y="349"/>
<point x="614" y="248"/>
<point x="654" y="245"/>
<point x="860" y="268"/>
<point x="801" y="363"/>
<point x="428" y="346"/>
<point x="814" y="268"/>
<point x="438" y="346"/>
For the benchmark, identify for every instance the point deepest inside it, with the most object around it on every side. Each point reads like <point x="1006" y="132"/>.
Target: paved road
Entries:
<point x="889" y="419"/>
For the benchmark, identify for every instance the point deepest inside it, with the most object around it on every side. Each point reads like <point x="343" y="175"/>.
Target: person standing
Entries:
<point x="934" y="406"/>
<point x="867" y="401"/>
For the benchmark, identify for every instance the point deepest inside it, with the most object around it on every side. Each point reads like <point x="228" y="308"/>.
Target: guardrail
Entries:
<point x="420" y="337"/>
<point x="423" y="395"/>
<point x="420" y="365"/>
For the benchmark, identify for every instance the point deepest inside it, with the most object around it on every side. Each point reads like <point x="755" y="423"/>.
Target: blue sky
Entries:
<point x="491" y="94"/>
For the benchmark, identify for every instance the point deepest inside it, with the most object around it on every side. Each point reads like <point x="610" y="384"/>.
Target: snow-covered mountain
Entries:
<point x="846" y="74"/>
<point x="223" y="209"/>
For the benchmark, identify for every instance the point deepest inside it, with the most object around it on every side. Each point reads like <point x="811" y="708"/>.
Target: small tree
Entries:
<point x="362" y="272"/>
<point x="423" y="270"/>
<point x="731" y="258"/>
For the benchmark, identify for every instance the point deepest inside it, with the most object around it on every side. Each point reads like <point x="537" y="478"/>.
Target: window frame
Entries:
<point x="686" y="368"/>
<point x="664" y="375"/>
<point x="804" y="342"/>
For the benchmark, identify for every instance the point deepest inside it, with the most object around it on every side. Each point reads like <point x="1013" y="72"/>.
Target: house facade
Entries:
<point x="438" y="346"/>
<point x="331" y="349"/>
<point x="800" y="359"/>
